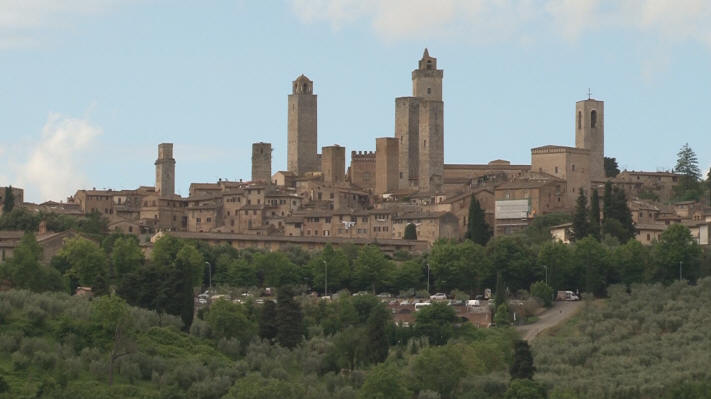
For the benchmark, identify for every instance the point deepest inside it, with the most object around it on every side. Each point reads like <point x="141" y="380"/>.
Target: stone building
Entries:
<point x="165" y="170"/>
<point x="262" y="162"/>
<point x="567" y="163"/>
<point x="419" y="128"/>
<point x="362" y="171"/>
<point x="590" y="134"/>
<point x="386" y="165"/>
<point x="17" y="193"/>
<point x="333" y="164"/>
<point x="302" y="127"/>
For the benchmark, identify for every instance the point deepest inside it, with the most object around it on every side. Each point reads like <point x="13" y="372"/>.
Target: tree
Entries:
<point x="112" y="313"/>
<point x="541" y="290"/>
<point x="687" y="164"/>
<point x="126" y="256"/>
<point x="501" y="318"/>
<point x="267" y="321"/>
<point x="611" y="168"/>
<point x="556" y="257"/>
<point x="254" y="386"/>
<point x="339" y="273"/>
<point x="436" y="323"/>
<point x="439" y="369"/>
<point x="581" y="224"/>
<point x="376" y="340"/>
<point x="515" y="260"/>
<point x="595" y="215"/>
<point x="631" y="261"/>
<point x="289" y="319"/>
<point x="384" y="381"/>
<point x="410" y="232"/>
<point x="525" y="389"/>
<point x="24" y="268"/>
<point x="522" y="366"/>
<point x="457" y="265"/>
<point x="229" y="320"/>
<point x="590" y="259"/>
<point x="274" y="269"/>
<point x="87" y="261"/>
<point x="9" y="200"/>
<point x="676" y="249"/>
<point x="500" y="292"/>
<point x="477" y="228"/>
<point x="372" y="268"/>
<point x="617" y="217"/>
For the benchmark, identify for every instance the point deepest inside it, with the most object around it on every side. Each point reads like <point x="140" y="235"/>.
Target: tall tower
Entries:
<point x="333" y="164"/>
<point x="590" y="134"/>
<point x="262" y="162"/>
<point x="165" y="170"/>
<point x="427" y="79"/>
<point x="302" y="136"/>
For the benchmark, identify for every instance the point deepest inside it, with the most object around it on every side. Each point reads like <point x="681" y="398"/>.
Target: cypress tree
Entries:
<point x="581" y="225"/>
<point x="9" y="200"/>
<point x="477" y="229"/>
<point x="376" y="340"/>
<point x="522" y="366"/>
<point x="288" y="318"/>
<point x="410" y="232"/>
<point x="499" y="295"/>
<point x="595" y="215"/>
<point x="267" y="321"/>
<point x="606" y="201"/>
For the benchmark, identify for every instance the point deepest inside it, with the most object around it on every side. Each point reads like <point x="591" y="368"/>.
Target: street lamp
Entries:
<point x="428" y="278"/>
<point x="209" y="269"/>
<point x="325" y="278"/>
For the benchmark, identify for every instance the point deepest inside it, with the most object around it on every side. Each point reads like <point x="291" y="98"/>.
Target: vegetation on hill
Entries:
<point x="648" y="341"/>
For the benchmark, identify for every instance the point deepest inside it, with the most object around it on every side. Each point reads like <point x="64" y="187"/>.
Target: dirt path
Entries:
<point x="560" y="312"/>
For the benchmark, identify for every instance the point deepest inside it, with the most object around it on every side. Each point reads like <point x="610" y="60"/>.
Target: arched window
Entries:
<point x="593" y="118"/>
<point x="580" y="120"/>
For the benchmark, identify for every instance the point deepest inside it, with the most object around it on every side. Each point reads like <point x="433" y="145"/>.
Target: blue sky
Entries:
<point x="88" y="88"/>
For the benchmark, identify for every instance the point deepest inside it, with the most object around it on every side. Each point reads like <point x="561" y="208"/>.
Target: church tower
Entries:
<point x="165" y="170"/>
<point x="590" y="134"/>
<point x="302" y="146"/>
<point x="427" y="79"/>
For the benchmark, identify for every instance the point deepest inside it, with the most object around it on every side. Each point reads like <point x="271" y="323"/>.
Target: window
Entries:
<point x="130" y="229"/>
<point x="198" y="220"/>
<point x="556" y="170"/>
<point x="580" y="120"/>
<point x="429" y="91"/>
<point x="593" y="119"/>
<point x="209" y="220"/>
<point x="573" y="167"/>
<point x="424" y="144"/>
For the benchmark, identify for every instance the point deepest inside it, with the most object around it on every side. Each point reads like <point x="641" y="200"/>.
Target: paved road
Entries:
<point x="560" y="312"/>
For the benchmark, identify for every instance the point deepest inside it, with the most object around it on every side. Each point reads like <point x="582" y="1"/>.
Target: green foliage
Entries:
<point x="8" y="200"/>
<point x="522" y="366"/>
<point x="538" y="230"/>
<point x="372" y="269"/>
<point x="478" y="230"/>
<point x="288" y="318"/>
<point x="439" y="369"/>
<point x="87" y="262"/>
<point x="557" y="257"/>
<point x="581" y="223"/>
<point x="617" y="218"/>
<point x="126" y="256"/>
<point x="24" y="269"/>
<point x="410" y="232"/>
<point x="339" y="269"/>
<point x="229" y="320"/>
<point x="687" y="164"/>
<point x="376" y="341"/>
<point x="515" y="260"/>
<point x="591" y="260"/>
<point x="19" y="219"/>
<point x="275" y="269"/>
<point x="644" y="343"/>
<point x="254" y="386"/>
<point x="631" y="261"/>
<point x="543" y="291"/>
<point x="611" y="168"/>
<point x="525" y="389"/>
<point x="675" y="249"/>
<point x="595" y="215"/>
<point x="384" y="381"/>
<point x="457" y="265"/>
<point x="501" y="317"/>
<point x="436" y="323"/>
<point x="267" y="321"/>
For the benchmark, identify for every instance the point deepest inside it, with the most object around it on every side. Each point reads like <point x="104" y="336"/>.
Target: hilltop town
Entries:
<point x="318" y="201"/>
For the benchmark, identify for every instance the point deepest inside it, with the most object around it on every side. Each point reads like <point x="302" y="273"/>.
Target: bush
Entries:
<point x="541" y="290"/>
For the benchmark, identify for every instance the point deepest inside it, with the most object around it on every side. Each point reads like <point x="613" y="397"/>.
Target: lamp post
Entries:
<point x="680" y="270"/>
<point x="428" y="278"/>
<point x="209" y="269"/>
<point x="325" y="278"/>
<point x="546" y="267"/>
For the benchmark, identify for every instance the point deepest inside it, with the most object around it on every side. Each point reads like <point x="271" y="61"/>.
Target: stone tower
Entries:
<point x="590" y="134"/>
<point x="386" y="165"/>
<point x="333" y="164"/>
<point x="419" y="127"/>
<point x="302" y="136"/>
<point x="165" y="170"/>
<point x="262" y="162"/>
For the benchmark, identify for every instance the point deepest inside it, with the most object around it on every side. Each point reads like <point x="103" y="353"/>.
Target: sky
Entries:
<point x="89" y="88"/>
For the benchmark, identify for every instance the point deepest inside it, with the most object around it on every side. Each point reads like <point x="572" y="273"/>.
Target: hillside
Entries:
<point x="654" y="341"/>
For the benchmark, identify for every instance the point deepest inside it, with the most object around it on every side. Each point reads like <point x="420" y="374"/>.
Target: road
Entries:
<point x="560" y="312"/>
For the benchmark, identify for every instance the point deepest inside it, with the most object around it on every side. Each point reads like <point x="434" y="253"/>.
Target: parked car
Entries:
<point x="438" y="296"/>
<point x="473" y="303"/>
<point x="566" y="296"/>
<point x="421" y="305"/>
<point x="202" y="301"/>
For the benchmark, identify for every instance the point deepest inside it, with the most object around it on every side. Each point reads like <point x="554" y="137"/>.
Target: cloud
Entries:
<point x="495" y="20"/>
<point x="23" y="21"/>
<point x="53" y="166"/>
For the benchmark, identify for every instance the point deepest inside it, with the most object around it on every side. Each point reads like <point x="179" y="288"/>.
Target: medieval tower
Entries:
<point x="590" y="134"/>
<point x="301" y="157"/>
<point x="165" y="170"/>
<point x="419" y="128"/>
<point x="262" y="162"/>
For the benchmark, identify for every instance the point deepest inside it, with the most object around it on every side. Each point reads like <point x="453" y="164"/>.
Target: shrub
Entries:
<point x="541" y="290"/>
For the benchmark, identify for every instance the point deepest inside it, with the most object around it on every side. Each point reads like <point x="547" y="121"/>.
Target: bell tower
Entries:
<point x="590" y="134"/>
<point x="427" y="79"/>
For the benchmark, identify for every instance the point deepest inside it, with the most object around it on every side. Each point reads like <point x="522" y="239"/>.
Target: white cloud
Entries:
<point x="21" y="21"/>
<point x="53" y="166"/>
<point x="493" y="20"/>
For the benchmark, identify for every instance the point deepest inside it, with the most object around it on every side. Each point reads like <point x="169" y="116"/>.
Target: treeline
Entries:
<point x="17" y="218"/>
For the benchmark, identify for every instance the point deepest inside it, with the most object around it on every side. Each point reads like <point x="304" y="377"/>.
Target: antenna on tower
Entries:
<point x="589" y="93"/>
